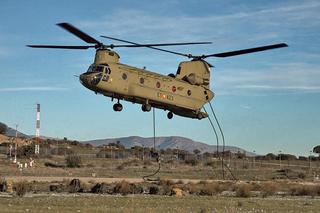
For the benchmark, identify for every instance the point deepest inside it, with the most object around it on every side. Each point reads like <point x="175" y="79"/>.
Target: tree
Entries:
<point x="3" y="128"/>
<point x="316" y="149"/>
<point x="73" y="161"/>
<point x="196" y="151"/>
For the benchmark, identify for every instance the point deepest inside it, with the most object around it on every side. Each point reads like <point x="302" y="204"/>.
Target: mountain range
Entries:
<point x="170" y="142"/>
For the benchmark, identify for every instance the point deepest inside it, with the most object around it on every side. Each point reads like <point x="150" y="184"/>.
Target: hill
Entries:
<point x="12" y="133"/>
<point x="171" y="142"/>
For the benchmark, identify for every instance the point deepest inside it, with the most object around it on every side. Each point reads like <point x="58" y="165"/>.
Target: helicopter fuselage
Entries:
<point x="123" y="82"/>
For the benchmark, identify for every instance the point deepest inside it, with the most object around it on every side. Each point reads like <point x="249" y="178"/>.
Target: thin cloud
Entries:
<point x="273" y="87"/>
<point x="26" y="89"/>
<point x="291" y="77"/>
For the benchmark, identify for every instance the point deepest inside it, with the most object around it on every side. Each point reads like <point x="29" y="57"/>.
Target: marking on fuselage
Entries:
<point x="162" y="95"/>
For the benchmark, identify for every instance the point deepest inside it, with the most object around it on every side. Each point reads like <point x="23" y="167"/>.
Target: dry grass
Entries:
<point x="160" y="204"/>
<point x="269" y="188"/>
<point x="211" y="189"/>
<point x="21" y="188"/>
<point x="304" y="190"/>
<point x="243" y="190"/>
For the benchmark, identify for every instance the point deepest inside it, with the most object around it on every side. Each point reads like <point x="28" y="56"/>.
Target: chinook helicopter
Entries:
<point x="183" y="93"/>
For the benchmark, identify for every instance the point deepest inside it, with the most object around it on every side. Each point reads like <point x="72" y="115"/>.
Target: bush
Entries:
<point x="243" y="190"/>
<point x="210" y="189"/>
<point x="21" y="188"/>
<point x="26" y="151"/>
<point x="53" y="165"/>
<point x="269" y="189"/>
<point x="123" y="188"/>
<point x="303" y="190"/>
<point x="101" y="188"/>
<point x="301" y="175"/>
<point x="192" y="162"/>
<point x="75" y="186"/>
<point x="210" y="163"/>
<point x="73" y="161"/>
<point x="3" y="185"/>
<point x="153" y="190"/>
<point x="193" y="188"/>
<point x="166" y="185"/>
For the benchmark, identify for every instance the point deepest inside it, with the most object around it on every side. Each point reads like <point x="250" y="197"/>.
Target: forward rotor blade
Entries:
<point x="153" y="45"/>
<point x="150" y="46"/>
<point x="75" y="31"/>
<point x="246" y="51"/>
<point x="61" y="47"/>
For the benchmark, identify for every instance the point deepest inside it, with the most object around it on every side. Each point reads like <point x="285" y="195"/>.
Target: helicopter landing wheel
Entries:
<point x="170" y="115"/>
<point x="146" y="107"/>
<point x="117" y="107"/>
<point x="199" y="116"/>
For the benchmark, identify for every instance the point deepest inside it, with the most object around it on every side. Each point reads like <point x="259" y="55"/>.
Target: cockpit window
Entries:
<point x="95" y="68"/>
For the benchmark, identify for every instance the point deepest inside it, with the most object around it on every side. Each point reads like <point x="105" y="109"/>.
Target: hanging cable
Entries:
<point x="217" y="140"/>
<point x="223" y="140"/>
<point x="147" y="177"/>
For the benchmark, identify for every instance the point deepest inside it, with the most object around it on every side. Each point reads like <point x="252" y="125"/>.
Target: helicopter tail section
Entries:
<point x="195" y="72"/>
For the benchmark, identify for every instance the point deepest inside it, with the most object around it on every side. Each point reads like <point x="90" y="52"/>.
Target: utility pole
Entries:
<point x="280" y="158"/>
<point x="310" y="161"/>
<point x="254" y="158"/>
<point x="16" y="146"/>
<point x="142" y="152"/>
<point x="37" y="145"/>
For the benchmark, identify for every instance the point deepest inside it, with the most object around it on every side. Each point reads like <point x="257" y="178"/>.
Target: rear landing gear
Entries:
<point x="117" y="107"/>
<point x="170" y="115"/>
<point x="146" y="107"/>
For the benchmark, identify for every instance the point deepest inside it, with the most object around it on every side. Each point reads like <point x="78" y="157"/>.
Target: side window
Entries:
<point x="178" y="70"/>
<point x="124" y="76"/>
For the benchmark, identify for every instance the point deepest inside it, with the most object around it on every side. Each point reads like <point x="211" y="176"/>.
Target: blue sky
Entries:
<point x="266" y="102"/>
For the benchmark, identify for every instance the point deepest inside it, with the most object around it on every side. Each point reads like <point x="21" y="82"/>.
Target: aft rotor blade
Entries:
<point x="61" y="47"/>
<point x="246" y="51"/>
<point x="75" y="31"/>
<point x="150" y="46"/>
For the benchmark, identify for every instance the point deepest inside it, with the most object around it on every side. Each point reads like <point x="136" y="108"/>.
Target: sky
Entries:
<point x="266" y="102"/>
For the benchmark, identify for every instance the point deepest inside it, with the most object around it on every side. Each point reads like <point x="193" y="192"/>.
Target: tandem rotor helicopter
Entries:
<point x="183" y="93"/>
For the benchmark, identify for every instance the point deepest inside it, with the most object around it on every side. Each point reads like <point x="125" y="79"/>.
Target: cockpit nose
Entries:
<point x="84" y="79"/>
<point x="90" y="80"/>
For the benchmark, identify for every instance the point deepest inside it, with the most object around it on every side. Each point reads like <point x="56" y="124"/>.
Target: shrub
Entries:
<point x="73" y="161"/>
<point x="75" y="186"/>
<point x="210" y="189"/>
<point x="3" y="185"/>
<point x="210" y="163"/>
<point x="120" y="167"/>
<point x="303" y="190"/>
<point x="301" y="175"/>
<point x="101" y="188"/>
<point x="193" y="188"/>
<point x="26" y="151"/>
<point x="243" y="190"/>
<point x="269" y="189"/>
<point x="153" y="190"/>
<point x="123" y="188"/>
<point x="21" y="188"/>
<point x="192" y="162"/>
<point x="166" y="185"/>
<point x="53" y="165"/>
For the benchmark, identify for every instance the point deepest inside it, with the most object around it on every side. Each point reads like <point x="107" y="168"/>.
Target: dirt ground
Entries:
<point x="141" y="203"/>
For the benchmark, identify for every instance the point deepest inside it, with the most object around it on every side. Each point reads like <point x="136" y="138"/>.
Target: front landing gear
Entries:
<point x="117" y="107"/>
<point x="170" y="115"/>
